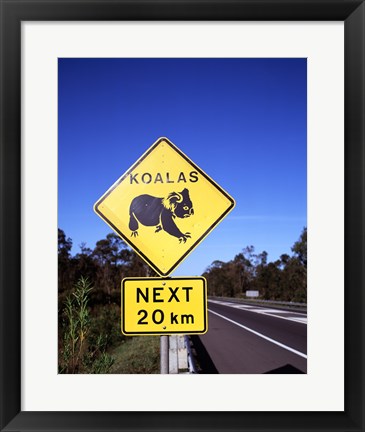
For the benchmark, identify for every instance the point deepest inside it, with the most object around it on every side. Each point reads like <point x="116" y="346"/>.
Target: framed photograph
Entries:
<point x="248" y="91"/>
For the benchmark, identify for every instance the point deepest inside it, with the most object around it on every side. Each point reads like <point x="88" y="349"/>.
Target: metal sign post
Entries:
<point x="164" y="354"/>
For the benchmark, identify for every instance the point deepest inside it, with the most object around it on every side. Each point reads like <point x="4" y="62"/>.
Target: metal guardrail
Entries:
<point x="191" y="360"/>
<point x="176" y="355"/>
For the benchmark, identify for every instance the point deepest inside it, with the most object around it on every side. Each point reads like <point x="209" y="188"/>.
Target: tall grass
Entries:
<point x="78" y="354"/>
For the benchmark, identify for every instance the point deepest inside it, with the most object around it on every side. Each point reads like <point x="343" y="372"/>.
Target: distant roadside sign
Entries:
<point x="164" y="206"/>
<point x="154" y="306"/>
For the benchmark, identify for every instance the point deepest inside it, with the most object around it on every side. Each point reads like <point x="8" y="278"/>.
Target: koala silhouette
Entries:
<point x="161" y="212"/>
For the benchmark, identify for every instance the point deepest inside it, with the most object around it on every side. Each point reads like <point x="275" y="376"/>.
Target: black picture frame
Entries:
<point x="352" y="13"/>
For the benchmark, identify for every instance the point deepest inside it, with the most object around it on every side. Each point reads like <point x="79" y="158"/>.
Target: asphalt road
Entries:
<point x="252" y="340"/>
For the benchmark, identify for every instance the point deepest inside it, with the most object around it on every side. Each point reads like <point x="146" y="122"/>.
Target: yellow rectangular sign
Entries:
<point x="155" y="306"/>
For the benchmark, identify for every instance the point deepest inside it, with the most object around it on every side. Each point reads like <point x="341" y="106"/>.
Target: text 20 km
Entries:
<point x="158" y="317"/>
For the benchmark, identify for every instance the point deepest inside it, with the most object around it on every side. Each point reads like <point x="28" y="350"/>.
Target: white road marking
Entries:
<point x="260" y="335"/>
<point x="264" y="311"/>
<point x="283" y="312"/>
<point x="299" y="320"/>
<point x="269" y="312"/>
<point x="241" y="306"/>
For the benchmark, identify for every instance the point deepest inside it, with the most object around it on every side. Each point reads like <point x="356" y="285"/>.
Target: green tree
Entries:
<point x="216" y="278"/>
<point x="268" y="281"/>
<point x="294" y="281"/>
<point x="300" y="248"/>
<point x="112" y="256"/>
<point x="64" y="261"/>
<point x="64" y="244"/>
<point x="84" y="264"/>
<point x="112" y="250"/>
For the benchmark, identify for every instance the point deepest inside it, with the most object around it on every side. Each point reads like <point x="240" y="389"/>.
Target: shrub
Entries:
<point x="78" y="353"/>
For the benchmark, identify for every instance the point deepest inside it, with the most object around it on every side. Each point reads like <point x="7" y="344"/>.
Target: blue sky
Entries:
<point x="243" y="121"/>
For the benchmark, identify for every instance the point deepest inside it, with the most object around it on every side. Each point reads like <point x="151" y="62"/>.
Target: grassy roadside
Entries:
<point x="137" y="355"/>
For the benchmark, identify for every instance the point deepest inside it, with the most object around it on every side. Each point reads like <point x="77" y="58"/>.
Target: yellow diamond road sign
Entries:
<point x="164" y="206"/>
<point x="164" y="306"/>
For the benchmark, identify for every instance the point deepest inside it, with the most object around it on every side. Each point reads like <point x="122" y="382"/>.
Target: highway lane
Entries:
<point x="252" y="339"/>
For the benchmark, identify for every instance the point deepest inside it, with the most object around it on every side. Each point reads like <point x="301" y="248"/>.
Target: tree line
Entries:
<point x="112" y="260"/>
<point x="284" y="279"/>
